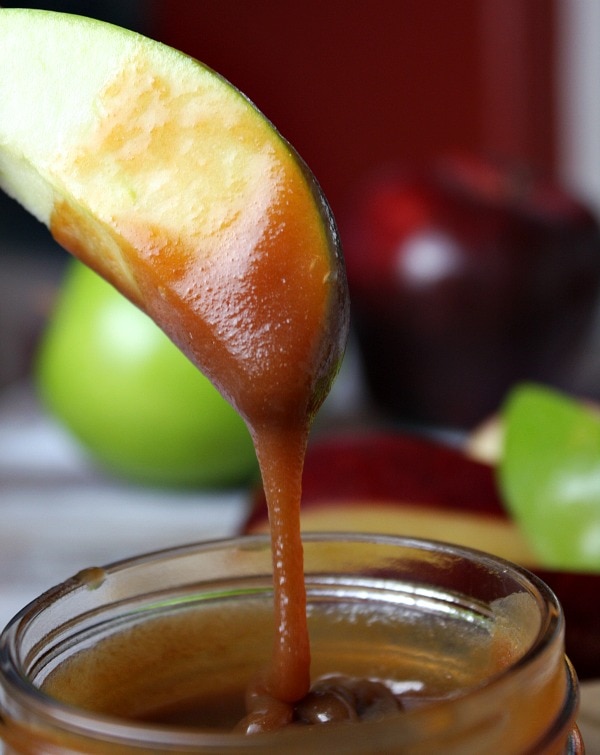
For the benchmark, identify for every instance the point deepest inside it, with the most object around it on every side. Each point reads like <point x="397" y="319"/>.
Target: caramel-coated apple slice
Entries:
<point x="167" y="181"/>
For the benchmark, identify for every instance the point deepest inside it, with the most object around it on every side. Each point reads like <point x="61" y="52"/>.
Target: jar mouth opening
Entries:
<point x="15" y="665"/>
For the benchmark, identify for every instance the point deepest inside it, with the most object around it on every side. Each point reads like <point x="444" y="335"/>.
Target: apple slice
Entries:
<point x="167" y="181"/>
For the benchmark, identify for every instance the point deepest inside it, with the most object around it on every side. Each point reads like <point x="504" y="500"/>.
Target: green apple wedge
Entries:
<point x="167" y="181"/>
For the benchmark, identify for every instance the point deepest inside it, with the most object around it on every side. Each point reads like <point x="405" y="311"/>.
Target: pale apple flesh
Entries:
<point x="167" y="181"/>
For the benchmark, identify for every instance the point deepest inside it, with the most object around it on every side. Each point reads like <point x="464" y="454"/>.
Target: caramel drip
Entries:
<point x="281" y="455"/>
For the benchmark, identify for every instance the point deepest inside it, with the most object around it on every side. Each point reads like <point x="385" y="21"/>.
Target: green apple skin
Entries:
<point x="138" y="405"/>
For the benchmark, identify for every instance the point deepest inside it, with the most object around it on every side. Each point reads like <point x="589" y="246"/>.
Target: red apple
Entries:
<point x="465" y="278"/>
<point x="402" y="484"/>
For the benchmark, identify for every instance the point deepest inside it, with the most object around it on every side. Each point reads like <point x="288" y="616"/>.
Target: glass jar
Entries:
<point x="472" y="644"/>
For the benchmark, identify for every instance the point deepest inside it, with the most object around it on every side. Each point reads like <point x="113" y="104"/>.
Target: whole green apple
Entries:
<point x="131" y="397"/>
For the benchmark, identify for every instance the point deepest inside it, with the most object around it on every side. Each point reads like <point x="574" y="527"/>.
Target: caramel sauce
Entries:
<point x="245" y="275"/>
<point x="194" y="666"/>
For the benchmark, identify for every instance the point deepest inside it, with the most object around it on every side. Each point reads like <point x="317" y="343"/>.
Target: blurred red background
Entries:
<point x="354" y="84"/>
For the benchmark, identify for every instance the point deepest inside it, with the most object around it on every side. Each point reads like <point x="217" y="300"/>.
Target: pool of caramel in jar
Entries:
<point x="193" y="666"/>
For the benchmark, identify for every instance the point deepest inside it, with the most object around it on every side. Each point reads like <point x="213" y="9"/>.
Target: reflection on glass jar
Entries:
<point x="155" y="653"/>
